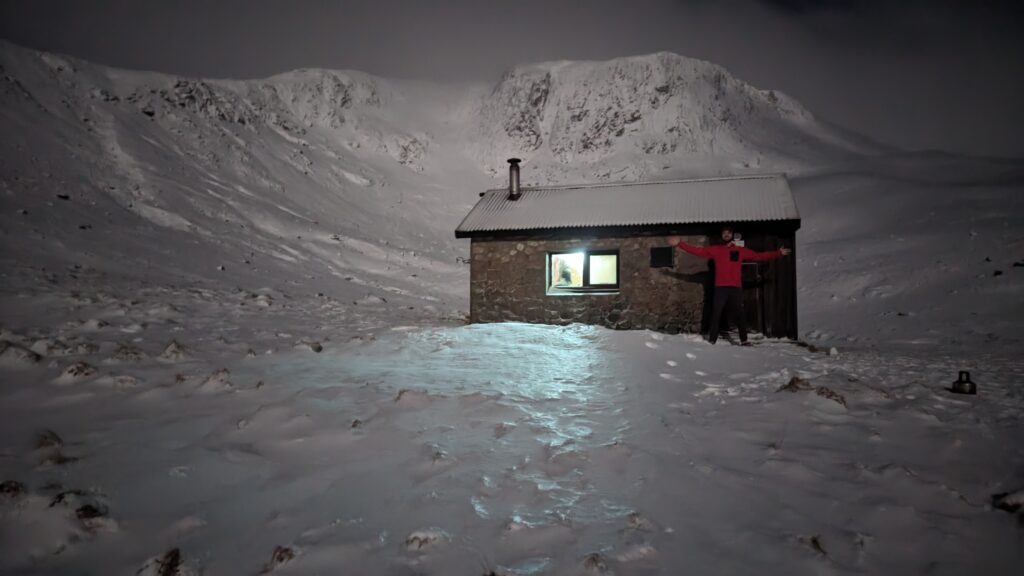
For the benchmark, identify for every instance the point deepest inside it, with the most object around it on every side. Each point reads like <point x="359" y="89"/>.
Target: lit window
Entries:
<point x="587" y="271"/>
<point x="604" y="269"/>
<point x="567" y="270"/>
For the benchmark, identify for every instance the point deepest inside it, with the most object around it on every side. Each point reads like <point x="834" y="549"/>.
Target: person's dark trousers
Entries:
<point x="730" y="300"/>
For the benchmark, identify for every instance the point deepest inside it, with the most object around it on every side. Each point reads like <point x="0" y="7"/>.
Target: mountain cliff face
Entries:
<point x="325" y="175"/>
<point x="649" y="111"/>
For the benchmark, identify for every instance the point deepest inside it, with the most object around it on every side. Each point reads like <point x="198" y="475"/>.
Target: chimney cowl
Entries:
<point x="513" y="178"/>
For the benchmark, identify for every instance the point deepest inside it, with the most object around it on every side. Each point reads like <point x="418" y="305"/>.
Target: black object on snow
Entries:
<point x="963" y="384"/>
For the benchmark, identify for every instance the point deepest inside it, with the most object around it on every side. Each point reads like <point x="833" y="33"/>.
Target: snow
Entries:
<point x="234" y="341"/>
<point x="526" y="445"/>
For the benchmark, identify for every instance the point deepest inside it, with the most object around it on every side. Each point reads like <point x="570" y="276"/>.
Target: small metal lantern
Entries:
<point x="963" y="384"/>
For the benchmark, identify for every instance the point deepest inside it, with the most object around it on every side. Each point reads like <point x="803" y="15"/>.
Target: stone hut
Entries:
<point x="599" y="253"/>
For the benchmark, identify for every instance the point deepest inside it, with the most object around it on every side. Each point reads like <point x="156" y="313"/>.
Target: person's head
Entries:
<point x="727" y="233"/>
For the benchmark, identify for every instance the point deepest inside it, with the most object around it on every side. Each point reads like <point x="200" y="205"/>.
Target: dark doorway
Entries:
<point x="753" y="296"/>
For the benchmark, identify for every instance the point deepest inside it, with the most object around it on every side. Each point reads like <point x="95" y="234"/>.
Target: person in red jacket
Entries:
<point x="728" y="295"/>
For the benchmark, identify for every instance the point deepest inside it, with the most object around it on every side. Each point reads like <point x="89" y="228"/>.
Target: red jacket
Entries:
<point x="728" y="266"/>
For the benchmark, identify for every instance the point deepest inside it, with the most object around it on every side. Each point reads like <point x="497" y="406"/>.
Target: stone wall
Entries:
<point x="508" y="283"/>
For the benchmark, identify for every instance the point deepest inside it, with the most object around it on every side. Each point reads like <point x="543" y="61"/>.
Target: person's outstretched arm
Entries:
<point x="695" y="250"/>
<point x="751" y="256"/>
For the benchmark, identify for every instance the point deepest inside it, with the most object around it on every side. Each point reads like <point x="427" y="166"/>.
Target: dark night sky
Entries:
<point x="943" y="74"/>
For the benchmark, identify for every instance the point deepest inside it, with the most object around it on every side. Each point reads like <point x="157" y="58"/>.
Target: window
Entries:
<point x="583" y="271"/>
<point x="662" y="256"/>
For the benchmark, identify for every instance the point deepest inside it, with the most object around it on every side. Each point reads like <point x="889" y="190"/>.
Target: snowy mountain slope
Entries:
<point x="311" y="175"/>
<point x="334" y="170"/>
<point x="925" y="251"/>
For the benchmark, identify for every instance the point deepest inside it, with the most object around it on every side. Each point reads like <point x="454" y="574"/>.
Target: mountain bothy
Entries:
<point x="600" y="253"/>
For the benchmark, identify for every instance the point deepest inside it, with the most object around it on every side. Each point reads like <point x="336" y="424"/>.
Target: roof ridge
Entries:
<point x="577" y="186"/>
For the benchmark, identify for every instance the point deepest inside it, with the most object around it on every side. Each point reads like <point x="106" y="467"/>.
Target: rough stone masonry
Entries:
<point x="508" y="283"/>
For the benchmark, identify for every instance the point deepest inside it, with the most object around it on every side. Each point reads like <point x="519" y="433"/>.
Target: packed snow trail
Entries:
<point x="519" y="448"/>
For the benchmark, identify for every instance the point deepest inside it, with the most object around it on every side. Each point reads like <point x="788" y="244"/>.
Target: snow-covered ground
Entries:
<point x="514" y="448"/>
<point x="233" y="338"/>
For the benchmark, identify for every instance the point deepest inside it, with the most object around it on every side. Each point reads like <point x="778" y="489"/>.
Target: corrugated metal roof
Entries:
<point x="706" y="200"/>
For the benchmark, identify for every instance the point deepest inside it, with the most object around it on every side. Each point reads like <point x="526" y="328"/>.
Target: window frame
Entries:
<point x="586" y="288"/>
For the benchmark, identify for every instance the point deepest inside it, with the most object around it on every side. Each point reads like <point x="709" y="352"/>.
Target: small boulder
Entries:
<point x="48" y="440"/>
<point x="814" y="543"/>
<point x="422" y="539"/>
<point x="173" y="352"/>
<point x="17" y="356"/>
<point x="218" y="381"/>
<point x="126" y="353"/>
<point x="167" y="564"/>
<point x="1012" y="502"/>
<point x="795" y="384"/>
<point x="595" y="562"/>
<point x="51" y="347"/>
<point x="310" y="345"/>
<point x="76" y="373"/>
<point x="281" y="556"/>
<point x="826" y="392"/>
<point x="11" y="489"/>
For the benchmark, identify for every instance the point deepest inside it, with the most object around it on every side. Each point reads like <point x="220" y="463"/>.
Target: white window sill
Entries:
<point x="581" y="292"/>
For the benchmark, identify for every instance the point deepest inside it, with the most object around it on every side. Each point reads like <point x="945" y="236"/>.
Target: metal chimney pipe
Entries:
<point x="513" y="178"/>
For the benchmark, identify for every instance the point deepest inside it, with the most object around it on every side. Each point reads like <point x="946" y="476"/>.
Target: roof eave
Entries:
<point x="794" y="222"/>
